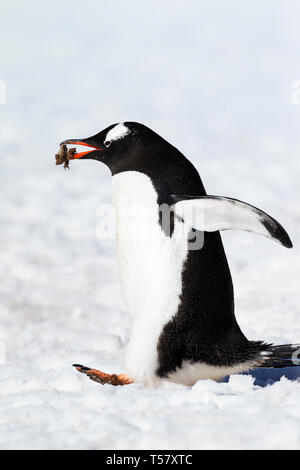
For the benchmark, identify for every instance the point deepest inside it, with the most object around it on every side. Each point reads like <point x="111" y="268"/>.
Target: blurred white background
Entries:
<point x="215" y="79"/>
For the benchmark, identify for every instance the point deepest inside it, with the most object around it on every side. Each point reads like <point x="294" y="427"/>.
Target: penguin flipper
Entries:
<point x="102" y="377"/>
<point x="214" y="213"/>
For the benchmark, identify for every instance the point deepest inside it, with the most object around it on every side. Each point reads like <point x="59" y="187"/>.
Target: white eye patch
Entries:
<point x="117" y="132"/>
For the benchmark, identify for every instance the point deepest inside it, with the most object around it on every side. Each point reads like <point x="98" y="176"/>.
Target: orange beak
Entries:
<point x="78" y="142"/>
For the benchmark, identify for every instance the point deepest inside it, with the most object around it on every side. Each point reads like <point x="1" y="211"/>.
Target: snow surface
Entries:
<point x="215" y="79"/>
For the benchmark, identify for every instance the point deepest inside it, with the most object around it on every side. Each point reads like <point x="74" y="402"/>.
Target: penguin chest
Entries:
<point x="150" y="266"/>
<point x="150" y="262"/>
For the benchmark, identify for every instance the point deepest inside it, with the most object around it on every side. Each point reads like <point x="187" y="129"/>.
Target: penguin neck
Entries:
<point x="169" y="171"/>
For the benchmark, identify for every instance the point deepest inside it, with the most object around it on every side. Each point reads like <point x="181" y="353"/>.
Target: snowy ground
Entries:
<point x="215" y="79"/>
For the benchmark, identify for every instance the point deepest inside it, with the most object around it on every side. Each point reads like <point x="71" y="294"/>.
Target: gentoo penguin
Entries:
<point x="180" y="297"/>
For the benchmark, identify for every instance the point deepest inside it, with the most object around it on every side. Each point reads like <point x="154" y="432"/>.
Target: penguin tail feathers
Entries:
<point x="284" y="355"/>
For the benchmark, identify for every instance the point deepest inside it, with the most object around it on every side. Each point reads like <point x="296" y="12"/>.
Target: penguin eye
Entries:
<point x="107" y="143"/>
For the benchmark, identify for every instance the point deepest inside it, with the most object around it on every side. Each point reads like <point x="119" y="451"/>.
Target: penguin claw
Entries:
<point x="102" y="377"/>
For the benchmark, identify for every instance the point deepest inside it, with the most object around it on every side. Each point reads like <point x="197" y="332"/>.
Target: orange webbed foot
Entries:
<point x="102" y="377"/>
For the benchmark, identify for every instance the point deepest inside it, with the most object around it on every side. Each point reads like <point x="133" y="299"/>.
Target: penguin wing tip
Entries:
<point x="277" y="232"/>
<point x="285" y="240"/>
<point x="289" y="244"/>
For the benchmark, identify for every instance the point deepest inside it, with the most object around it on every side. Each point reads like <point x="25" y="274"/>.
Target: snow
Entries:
<point x="215" y="79"/>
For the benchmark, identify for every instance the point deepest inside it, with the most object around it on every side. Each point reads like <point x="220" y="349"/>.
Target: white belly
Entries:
<point x="150" y="265"/>
<point x="190" y="372"/>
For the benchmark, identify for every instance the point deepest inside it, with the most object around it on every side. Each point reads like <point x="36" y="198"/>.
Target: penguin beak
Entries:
<point x="89" y="142"/>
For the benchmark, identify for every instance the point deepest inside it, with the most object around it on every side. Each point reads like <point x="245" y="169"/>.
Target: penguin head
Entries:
<point x="122" y="147"/>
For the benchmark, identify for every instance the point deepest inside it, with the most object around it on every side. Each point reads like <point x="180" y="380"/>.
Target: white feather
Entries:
<point x="150" y="265"/>
<point x="117" y="132"/>
<point x="219" y="213"/>
<point x="190" y="372"/>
